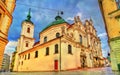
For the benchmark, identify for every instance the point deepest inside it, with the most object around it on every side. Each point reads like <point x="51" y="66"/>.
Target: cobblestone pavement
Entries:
<point x="95" y="71"/>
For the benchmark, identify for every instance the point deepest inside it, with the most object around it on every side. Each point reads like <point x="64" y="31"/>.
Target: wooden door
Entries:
<point x="56" y="64"/>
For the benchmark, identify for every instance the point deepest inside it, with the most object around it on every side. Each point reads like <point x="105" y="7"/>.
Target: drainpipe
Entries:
<point x="60" y="54"/>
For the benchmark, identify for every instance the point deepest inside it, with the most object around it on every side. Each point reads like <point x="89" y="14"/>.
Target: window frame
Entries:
<point x="28" y="30"/>
<point x="26" y="45"/>
<point x="81" y="39"/>
<point x="29" y="56"/>
<point x="45" y="39"/>
<point x="57" y="35"/>
<point x="69" y="49"/>
<point x="25" y="57"/>
<point x="56" y="49"/>
<point x="36" y="54"/>
<point x="47" y="51"/>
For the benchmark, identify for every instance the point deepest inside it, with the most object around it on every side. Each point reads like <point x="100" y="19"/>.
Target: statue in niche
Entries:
<point x="63" y="30"/>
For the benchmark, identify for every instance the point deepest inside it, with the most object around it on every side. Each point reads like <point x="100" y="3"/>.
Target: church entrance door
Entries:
<point x="56" y="65"/>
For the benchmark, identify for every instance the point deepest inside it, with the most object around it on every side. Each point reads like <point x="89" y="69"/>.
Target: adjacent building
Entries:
<point x="6" y="10"/>
<point x="12" y="61"/>
<point x="6" y="62"/>
<point x="62" y="46"/>
<point x="111" y="15"/>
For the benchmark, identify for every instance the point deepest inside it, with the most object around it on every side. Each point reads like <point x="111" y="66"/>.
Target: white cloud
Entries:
<point x="72" y="18"/>
<point x="10" y="47"/>
<point x="102" y="35"/>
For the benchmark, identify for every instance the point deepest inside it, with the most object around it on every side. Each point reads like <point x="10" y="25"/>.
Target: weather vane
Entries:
<point x="60" y="12"/>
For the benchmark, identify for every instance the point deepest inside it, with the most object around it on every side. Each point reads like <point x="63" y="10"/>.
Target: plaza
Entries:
<point x="95" y="71"/>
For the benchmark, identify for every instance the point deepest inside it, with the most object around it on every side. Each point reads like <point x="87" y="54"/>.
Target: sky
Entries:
<point x="43" y="12"/>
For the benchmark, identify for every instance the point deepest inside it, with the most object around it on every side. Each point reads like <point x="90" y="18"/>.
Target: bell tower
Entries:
<point x="26" y="39"/>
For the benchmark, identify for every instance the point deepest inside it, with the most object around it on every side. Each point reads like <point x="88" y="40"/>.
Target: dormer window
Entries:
<point x="45" y="39"/>
<point x="57" y="35"/>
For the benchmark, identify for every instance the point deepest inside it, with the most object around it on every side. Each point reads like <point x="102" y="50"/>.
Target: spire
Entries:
<point x="91" y="21"/>
<point x="29" y="16"/>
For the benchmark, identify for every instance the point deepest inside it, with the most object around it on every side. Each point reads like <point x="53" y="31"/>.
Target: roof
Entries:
<point x="58" y="20"/>
<point x="28" y="19"/>
<point x="40" y="45"/>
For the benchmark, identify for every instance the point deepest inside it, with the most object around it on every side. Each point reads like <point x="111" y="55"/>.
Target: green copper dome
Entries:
<point x="28" y="19"/>
<point x="58" y="20"/>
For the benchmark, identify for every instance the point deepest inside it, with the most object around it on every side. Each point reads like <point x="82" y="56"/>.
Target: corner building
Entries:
<point x="111" y="15"/>
<point x="6" y="10"/>
<point x="61" y="47"/>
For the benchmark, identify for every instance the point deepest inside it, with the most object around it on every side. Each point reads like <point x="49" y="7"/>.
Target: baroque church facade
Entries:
<point x="62" y="46"/>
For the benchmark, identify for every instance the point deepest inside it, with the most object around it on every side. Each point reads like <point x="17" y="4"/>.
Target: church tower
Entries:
<point x="26" y="40"/>
<point x="110" y="10"/>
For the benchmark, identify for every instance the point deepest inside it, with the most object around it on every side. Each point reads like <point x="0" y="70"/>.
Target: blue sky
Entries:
<point x="43" y="12"/>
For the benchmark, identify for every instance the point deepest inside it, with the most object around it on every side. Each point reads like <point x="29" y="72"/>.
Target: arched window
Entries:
<point x="56" y="48"/>
<point x="80" y="39"/>
<point x="47" y="51"/>
<point x="45" y="39"/>
<point x="28" y="30"/>
<point x="69" y="49"/>
<point x="36" y="54"/>
<point x="57" y="35"/>
<point x="26" y="44"/>
<point x="29" y="56"/>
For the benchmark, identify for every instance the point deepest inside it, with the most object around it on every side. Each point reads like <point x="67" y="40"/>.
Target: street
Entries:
<point x="95" y="71"/>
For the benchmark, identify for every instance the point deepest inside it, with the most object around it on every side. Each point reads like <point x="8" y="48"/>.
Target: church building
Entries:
<point x="62" y="46"/>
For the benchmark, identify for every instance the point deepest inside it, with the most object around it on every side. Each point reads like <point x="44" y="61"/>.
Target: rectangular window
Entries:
<point x="22" y="63"/>
<point x="56" y="48"/>
<point x="118" y="3"/>
<point x="27" y="44"/>
<point x="69" y="49"/>
<point x="29" y="56"/>
<point x="47" y="51"/>
<point x="36" y="54"/>
<point x="25" y="57"/>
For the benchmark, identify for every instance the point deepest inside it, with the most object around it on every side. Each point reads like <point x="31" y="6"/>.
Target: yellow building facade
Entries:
<point x="6" y="10"/>
<point x="61" y="47"/>
<point x="111" y="15"/>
